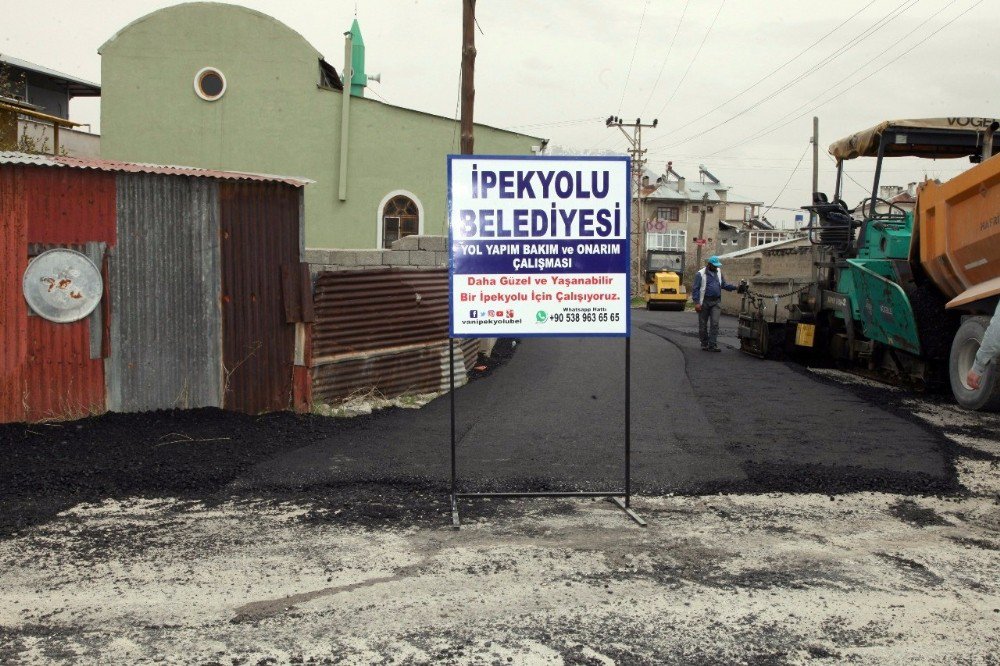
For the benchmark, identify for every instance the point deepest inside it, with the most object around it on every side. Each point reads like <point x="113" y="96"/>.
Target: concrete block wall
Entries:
<point x="408" y="252"/>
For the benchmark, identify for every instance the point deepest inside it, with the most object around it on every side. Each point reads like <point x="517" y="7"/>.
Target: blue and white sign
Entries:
<point x="539" y="245"/>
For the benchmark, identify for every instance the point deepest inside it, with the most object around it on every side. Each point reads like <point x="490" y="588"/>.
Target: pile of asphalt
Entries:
<point x="50" y="467"/>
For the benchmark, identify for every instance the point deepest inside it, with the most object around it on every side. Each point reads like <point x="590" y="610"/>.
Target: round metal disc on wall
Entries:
<point x="62" y="285"/>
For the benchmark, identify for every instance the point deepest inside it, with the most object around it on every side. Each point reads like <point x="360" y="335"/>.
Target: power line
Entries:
<point x="693" y="59"/>
<point x="869" y="32"/>
<point x="880" y="67"/>
<point x="787" y="182"/>
<point x="775" y="70"/>
<point x="663" y="65"/>
<point x="635" y="47"/>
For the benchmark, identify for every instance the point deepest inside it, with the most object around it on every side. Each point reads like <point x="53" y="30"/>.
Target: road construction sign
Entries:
<point x="539" y="246"/>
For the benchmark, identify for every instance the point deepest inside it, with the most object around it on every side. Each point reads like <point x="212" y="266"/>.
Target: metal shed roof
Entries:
<point x="76" y="87"/>
<point x="135" y="167"/>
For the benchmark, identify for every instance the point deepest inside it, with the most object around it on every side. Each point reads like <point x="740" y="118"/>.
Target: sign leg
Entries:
<point x="628" y="422"/>
<point x="451" y="391"/>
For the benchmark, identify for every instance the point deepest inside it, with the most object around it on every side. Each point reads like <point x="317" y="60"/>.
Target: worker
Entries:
<point x="989" y="349"/>
<point x="707" y="297"/>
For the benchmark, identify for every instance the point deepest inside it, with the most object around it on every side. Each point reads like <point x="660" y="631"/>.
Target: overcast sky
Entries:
<point x="558" y="68"/>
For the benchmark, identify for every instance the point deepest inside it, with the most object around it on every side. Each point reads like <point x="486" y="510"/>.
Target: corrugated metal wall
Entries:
<point x="260" y="233"/>
<point x="61" y="381"/>
<point x="384" y="330"/>
<point x="71" y="206"/>
<point x="166" y="341"/>
<point x="65" y="371"/>
<point x="50" y="370"/>
<point x="13" y="310"/>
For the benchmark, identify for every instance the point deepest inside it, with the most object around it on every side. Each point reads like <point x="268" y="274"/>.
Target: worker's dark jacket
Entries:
<point x="715" y="284"/>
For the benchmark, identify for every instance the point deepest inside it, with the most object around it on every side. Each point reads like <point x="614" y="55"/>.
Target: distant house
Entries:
<point x="225" y="87"/>
<point x="34" y="109"/>
<point x="904" y="198"/>
<point x="673" y="206"/>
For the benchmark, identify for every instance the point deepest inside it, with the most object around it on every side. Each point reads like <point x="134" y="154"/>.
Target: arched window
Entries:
<point x="400" y="217"/>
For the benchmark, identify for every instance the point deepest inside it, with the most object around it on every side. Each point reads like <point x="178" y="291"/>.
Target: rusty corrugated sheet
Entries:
<point x="112" y="166"/>
<point x="384" y="330"/>
<point x="393" y="372"/>
<point x="13" y="311"/>
<point x="49" y="371"/>
<point x="367" y="310"/>
<point x="260" y="233"/>
<point x="166" y="327"/>
<point x="67" y="207"/>
<point x="61" y="381"/>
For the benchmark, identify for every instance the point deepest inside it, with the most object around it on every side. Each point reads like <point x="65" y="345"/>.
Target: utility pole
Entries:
<point x="815" y="143"/>
<point x="638" y="232"/>
<point x="813" y="218"/>
<point x="468" y="72"/>
<point x="701" y="231"/>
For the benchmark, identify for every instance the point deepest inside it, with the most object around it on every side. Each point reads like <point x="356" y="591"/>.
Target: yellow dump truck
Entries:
<point x="664" y="269"/>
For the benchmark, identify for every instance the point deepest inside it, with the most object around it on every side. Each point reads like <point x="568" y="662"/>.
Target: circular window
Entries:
<point x="209" y="84"/>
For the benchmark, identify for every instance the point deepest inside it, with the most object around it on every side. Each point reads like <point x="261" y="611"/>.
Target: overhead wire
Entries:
<point x="635" y="47"/>
<point x="693" y="59"/>
<point x="663" y="65"/>
<point x="866" y="34"/>
<point x="880" y="66"/>
<point x="777" y="69"/>
<point x="788" y="182"/>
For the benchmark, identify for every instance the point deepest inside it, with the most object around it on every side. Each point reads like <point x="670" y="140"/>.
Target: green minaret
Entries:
<point x="360" y="79"/>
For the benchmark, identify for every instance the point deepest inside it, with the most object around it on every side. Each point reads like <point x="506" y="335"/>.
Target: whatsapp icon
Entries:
<point x="541" y="316"/>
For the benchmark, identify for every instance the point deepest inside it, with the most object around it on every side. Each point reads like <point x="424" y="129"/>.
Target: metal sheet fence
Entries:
<point x="166" y="330"/>
<point x="13" y="311"/>
<point x="259" y="224"/>
<point x="50" y="370"/>
<point x="383" y="331"/>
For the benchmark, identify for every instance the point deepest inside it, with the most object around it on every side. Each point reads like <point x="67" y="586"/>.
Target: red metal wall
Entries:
<point x="70" y="206"/>
<point x="13" y="310"/>
<point x="259" y="233"/>
<point x="46" y="367"/>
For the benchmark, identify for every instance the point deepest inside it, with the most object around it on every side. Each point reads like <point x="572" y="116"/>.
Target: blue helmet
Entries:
<point x="715" y="261"/>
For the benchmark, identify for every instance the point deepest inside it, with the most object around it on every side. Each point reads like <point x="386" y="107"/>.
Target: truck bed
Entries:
<point x="959" y="234"/>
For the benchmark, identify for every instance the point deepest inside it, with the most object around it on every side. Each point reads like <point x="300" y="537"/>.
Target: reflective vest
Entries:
<point x="704" y="283"/>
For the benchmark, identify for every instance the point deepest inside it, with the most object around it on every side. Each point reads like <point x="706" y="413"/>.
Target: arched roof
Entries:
<point x="168" y="12"/>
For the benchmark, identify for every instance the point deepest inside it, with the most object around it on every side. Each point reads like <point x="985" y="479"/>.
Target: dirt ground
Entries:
<point x="125" y="550"/>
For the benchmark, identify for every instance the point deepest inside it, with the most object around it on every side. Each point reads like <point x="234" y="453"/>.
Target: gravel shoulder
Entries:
<point x="865" y="530"/>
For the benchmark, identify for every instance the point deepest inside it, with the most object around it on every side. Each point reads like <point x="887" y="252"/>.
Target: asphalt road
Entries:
<point x="553" y="419"/>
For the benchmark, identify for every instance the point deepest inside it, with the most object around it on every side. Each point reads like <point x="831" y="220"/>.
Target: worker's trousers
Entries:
<point x="708" y="321"/>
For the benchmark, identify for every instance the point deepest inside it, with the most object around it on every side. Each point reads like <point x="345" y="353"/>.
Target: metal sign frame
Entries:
<point x="621" y="498"/>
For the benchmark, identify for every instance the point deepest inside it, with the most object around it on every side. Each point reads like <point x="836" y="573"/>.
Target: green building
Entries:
<point x="225" y="87"/>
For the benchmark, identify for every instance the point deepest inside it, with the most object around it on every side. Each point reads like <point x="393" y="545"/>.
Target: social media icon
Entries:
<point x="541" y="316"/>
<point x="473" y="314"/>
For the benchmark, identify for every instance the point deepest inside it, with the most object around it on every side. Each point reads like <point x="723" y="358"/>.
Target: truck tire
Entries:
<point x="963" y="353"/>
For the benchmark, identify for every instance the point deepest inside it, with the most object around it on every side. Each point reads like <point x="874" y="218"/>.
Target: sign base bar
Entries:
<point x="628" y="510"/>
<point x="613" y="497"/>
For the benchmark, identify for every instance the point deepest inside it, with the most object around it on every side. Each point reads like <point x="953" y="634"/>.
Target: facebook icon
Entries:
<point x="473" y="314"/>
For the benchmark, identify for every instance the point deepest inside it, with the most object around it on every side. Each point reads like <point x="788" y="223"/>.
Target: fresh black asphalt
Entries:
<point x="551" y="418"/>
